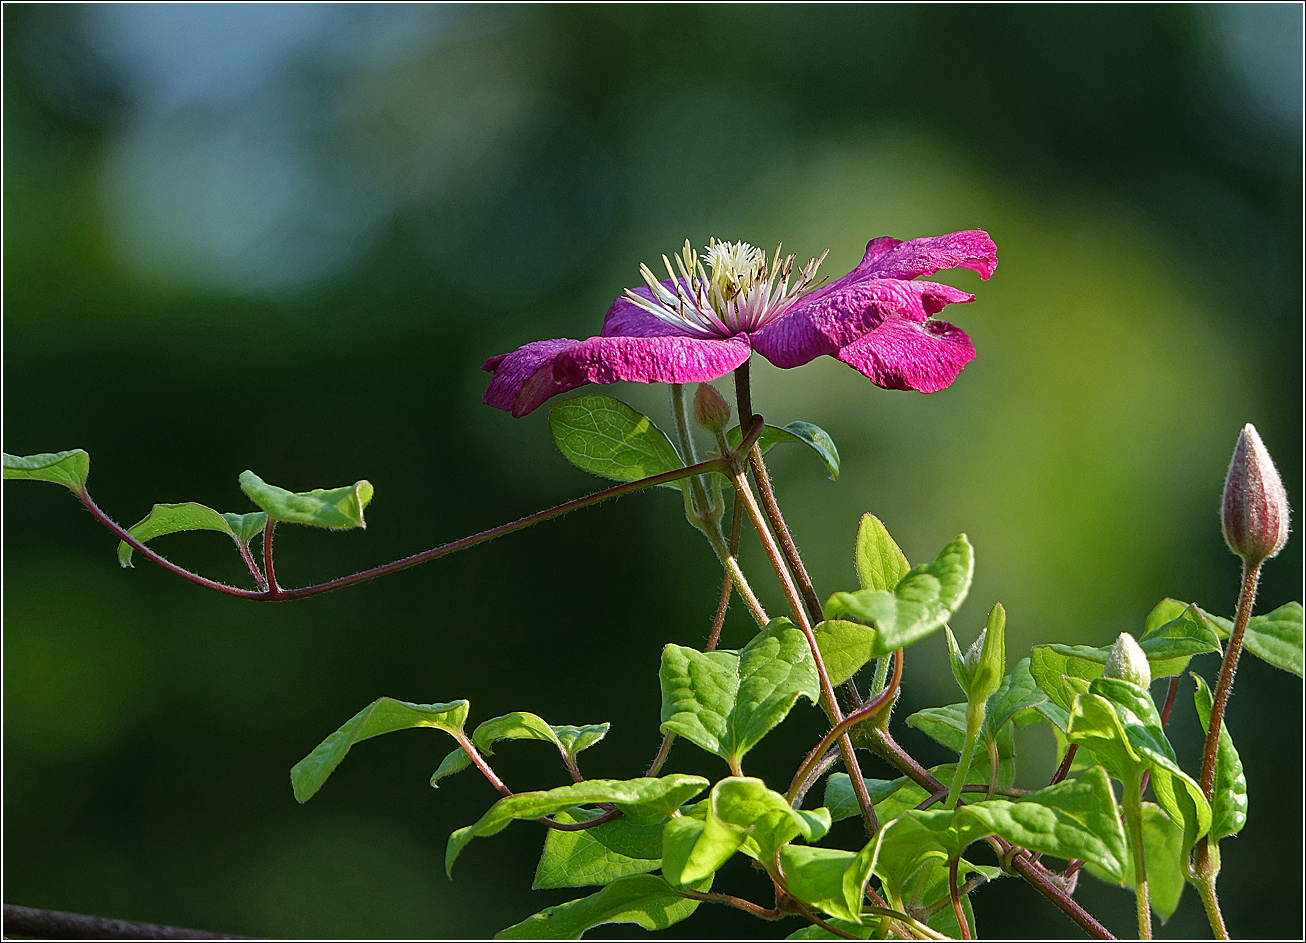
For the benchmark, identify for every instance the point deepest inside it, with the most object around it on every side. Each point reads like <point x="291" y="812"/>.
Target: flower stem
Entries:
<point x="790" y="549"/>
<point x="689" y="455"/>
<point x="974" y="720"/>
<point x="1133" y="809"/>
<point x="1246" y="599"/>
<point x="831" y="706"/>
<point x="1205" y="884"/>
<point x="1205" y="862"/>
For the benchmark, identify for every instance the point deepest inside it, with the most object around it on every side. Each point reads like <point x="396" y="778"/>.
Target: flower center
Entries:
<point x="741" y="293"/>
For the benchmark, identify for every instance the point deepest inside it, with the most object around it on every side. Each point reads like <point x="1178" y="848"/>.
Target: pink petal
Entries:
<point x="826" y="322"/>
<point x="625" y="319"/>
<point x="651" y="359"/>
<point x="524" y="378"/>
<point x="904" y="354"/>
<point x="887" y="257"/>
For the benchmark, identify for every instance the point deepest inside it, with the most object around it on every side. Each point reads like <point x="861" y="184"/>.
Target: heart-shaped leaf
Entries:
<point x="605" y="437"/>
<point x="726" y="701"/>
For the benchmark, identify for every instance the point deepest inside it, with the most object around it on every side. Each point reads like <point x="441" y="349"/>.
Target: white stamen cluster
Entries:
<point x="742" y="293"/>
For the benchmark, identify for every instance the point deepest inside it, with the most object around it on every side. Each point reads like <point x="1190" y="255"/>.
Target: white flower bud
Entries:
<point x="1128" y="662"/>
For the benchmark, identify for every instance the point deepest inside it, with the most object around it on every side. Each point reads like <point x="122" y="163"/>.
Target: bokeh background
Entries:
<point x="285" y="237"/>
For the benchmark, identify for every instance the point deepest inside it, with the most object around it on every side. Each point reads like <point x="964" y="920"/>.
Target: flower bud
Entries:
<point x="1254" y="516"/>
<point x="973" y="653"/>
<point x="1128" y="662"/>
<point x="711" y="411"/>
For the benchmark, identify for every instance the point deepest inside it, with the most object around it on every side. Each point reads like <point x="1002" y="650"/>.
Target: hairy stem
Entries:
<point x="788" y="547"/>
<point x="469" y="748"/>
<point x="273" y="589"/>
<point x="1246" y="599"/>
<point x="435" y="553"/>
<point x="974" y="721"/>
<point x="1204" y="860"/>
<point x="854" y="718"/>
<point x="757" y="910"/>
<point x="828" y="702"/>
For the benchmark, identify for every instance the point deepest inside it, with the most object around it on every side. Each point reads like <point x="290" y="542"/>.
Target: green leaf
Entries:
<point x="919" y="604"/>
<point x="1095" y="727"/>
<point x="605" y="437"/>
<point x="69" y="469"/>
<point x="1017" y="694"/>
<point x="916" y="839"/>
<point x="1162" y="856"/>
<point x="1075" y="819"/>
<point x="813" y="436"/>
<point x="383" y="715"/>
<point x="1275" y="638"/>
<point x="726" y="701"/>
<point x="874" y="928"/>
<point x="337" y="508"/>
<point x="579" y="859"/>
<point x="1229" y="797"/>
<point x="842" y="801"/>
<point x="174" y="518"/>
<point x="664" y="796"/>
<point x="1051" y="666"/>
<point x="827" y="878"/>
<point x="695" y="846"/>
<point x="644" y="899"/>
<point x="1170" y="645"/>
<point x="763" y="816"/>
<point x="880" y="563"/>
<point x="845" y="648"/>
<point x="638" y="835"/>
<point x="947" y="725"/>
<point x="521" y="725"/>
<point x="1176" y="792"/>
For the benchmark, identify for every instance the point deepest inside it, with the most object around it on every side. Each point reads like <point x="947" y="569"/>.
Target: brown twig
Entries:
<point x="59" y="925"/>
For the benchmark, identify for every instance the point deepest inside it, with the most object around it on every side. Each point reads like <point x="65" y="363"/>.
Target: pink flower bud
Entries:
<point x="1254" y="516"/>
<point x="711" y="411"/>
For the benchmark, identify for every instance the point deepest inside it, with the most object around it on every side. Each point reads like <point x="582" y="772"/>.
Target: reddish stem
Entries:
<point x="716" y="464"/>
<point x="957" y="909"/>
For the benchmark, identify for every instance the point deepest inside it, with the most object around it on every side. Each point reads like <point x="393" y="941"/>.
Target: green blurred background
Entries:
<point x="285" y="238"/>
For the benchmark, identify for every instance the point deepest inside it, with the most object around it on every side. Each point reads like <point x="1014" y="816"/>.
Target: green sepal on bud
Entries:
<point x="1254" y="513"/>
<point x="711" y="411"/>
<point x="979" y="672"/>
<point x="1128" y="662"/>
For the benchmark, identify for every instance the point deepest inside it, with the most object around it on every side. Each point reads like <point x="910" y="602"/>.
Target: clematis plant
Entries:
<point x="649" y="848"/>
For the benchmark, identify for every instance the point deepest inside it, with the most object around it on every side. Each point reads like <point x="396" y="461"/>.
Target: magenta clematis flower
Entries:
<point x="702" y="322"/>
